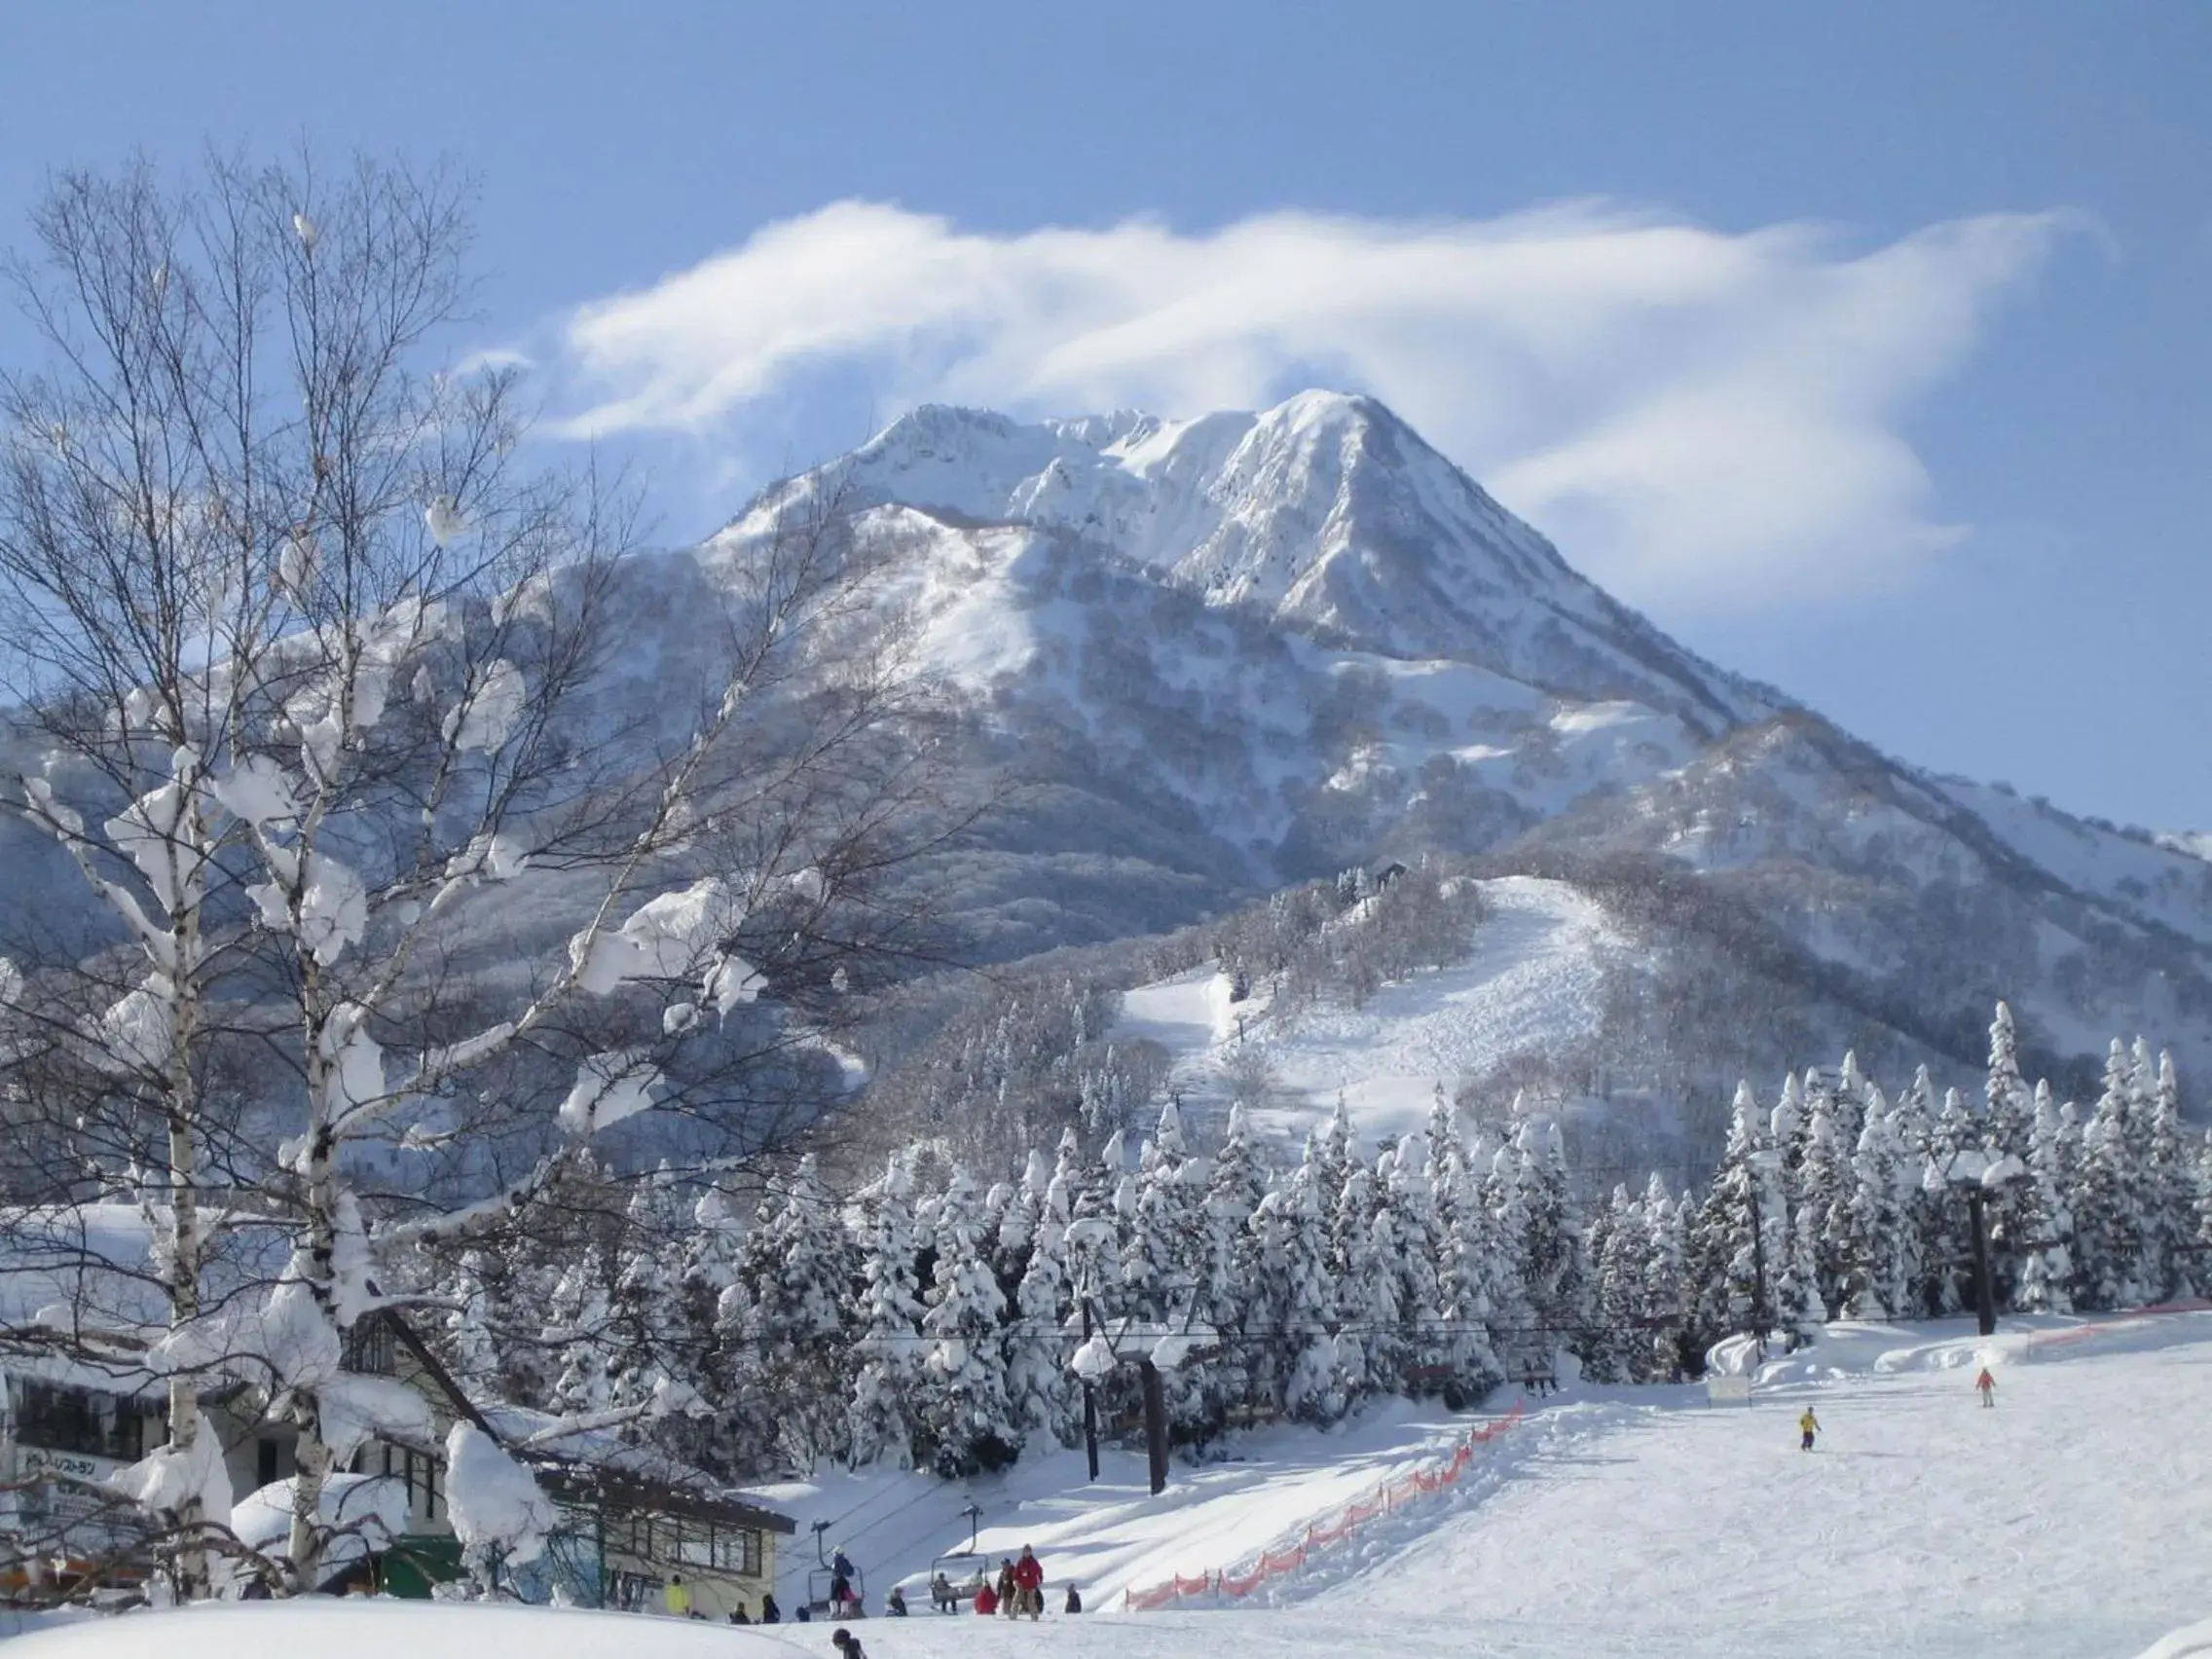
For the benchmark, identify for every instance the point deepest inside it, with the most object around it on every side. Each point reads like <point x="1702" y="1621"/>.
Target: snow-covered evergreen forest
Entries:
<point x="928" y="1318"/>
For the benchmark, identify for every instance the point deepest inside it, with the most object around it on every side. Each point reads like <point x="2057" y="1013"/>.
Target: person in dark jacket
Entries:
<point x="1074" y="1603"/>
<point x="770" y="1613"/>
<point x="1009" y="1592"/>
<point x="895" y="1604"/>
<point x="847" y="1644"/>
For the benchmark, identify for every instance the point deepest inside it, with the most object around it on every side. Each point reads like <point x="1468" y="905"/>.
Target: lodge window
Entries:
<point x="423" y="1475"/>
<point x="84" y="1421"/>
<point x="737" y="1549"/>
<point x="370" y="1349"/>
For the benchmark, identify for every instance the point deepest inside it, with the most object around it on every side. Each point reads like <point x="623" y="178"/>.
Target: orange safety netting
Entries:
<point x="1273" y="1563"/>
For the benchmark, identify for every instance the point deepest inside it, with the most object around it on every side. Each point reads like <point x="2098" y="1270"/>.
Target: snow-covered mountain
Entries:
<point x="1227" y="653"/>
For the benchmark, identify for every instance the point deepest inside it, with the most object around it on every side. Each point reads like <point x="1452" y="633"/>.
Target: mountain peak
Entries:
<point x="1326" y="515"/>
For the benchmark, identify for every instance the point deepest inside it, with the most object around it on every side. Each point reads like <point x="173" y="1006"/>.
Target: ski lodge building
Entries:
<point x="79" y="1298"/>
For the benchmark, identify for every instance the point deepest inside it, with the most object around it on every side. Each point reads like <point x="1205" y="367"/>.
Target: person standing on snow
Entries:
<point x="677" y="1597"/>
<point x="1986" y="1387"/>
<point x="1009" y="1592"/>
<point x="1808" y="1425"/>
<point x="1029" y="1585"/>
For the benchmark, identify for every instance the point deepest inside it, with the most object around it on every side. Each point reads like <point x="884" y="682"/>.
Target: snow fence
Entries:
<point x="1277" y="1561"/>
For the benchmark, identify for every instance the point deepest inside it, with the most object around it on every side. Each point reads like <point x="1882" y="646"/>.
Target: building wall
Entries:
<point x="639" y="1579"/>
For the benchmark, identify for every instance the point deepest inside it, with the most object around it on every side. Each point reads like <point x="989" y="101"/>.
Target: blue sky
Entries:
<point x="1867" y="350"/>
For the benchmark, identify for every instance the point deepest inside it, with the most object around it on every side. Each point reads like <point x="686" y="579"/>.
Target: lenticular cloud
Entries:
<point x="1685" y="408"/>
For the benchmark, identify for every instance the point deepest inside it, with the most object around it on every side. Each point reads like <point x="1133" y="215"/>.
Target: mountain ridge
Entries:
<point x="1304" y="636"/>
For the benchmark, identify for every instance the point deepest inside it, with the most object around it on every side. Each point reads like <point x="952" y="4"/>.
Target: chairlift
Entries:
<point x="821" y="1580"/>
<point x="964" y="1570"/>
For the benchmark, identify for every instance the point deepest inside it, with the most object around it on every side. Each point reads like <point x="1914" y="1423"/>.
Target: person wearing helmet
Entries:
<point x="1029" y="1584"/>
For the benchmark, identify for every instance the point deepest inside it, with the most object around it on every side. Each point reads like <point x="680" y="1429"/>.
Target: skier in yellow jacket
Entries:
<point x="1808" y="1425"/>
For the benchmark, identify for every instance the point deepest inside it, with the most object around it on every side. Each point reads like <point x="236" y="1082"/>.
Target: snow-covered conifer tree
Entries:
<point x="1666" y="1294"/>
<point x="885" y="1421"/>
<point x="1882" y="1239"/>
<point x="2170" y="1193"/>
<point x="966" y="1421"/>
<point x="2107" y="1200"/>
<point x="2047" y="1269"/>
<point x="1041" y="1395"/>
<point x="1408" y="1205"/>
<point x="1729" y="1234"/>
<point x="1230" y="1268"/>
<point x="1825" y="1187"/>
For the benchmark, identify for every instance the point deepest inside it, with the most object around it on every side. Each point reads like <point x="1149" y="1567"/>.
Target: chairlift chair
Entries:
<point x="966" y="1571"/>
<point x="822" y="1578"/>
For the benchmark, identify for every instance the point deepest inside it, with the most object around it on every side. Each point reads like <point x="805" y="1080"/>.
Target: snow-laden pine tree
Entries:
<point x="1608" y="1343"/>
<point x="2047" y="1269"/>
<point x="734" y="1437"/>
<point x="1946" y="1244"/>
<point x="884" y="1423"/>
<point x="2108" y="1196"/>
<point x="648" y="1351"/>
<point x="578" y="1332"/>
<point x="1229" y="1266"/>
<point x="967" y="1422"/>
<point x="1367" y="1314"/>
<point x="2008" y="1131"/>
<point x="1728" y="1240"/>
<point x="1335" y="1159"/>
<point x="1822" y="1217"/>
<point x="1553" y="1273"/>
<point x="1666" y="1293"/>
<point x="1477" y="1287"/>
<point x="1167" y="1235"/>
<point x="1293" y="1243"/>
<point x="1853" y="1096"/>
<point x="1409" y="1207"/>
<point x="1882" y="1237"/>
<point x="799" y="1265"/>
<point x="2170" y="1193"/>
<point x="1042" y="1398"/>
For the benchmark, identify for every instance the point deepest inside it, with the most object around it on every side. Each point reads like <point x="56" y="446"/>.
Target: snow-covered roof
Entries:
<point x="637" y="1474"/>
<point x="80" y="1289"/>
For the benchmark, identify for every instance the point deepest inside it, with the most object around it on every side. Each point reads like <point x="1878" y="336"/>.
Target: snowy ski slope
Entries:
<point x="2071" y="1521"/>
<point x="2067" y="1521"/>
<point x="1534" y="982"/>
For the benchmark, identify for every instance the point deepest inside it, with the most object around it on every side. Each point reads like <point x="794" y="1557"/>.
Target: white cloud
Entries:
<point x="1710" y="417"/>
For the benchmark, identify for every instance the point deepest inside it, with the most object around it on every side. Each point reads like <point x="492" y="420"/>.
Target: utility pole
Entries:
<point x="1155" y="1424"/>
<point x="1089" y="1402"/>
<point x="1985" y="1292"/>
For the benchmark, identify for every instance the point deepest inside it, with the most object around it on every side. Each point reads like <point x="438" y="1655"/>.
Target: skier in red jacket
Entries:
<point x="1986" y="1387"/>
<point x="1029" y="1585"/>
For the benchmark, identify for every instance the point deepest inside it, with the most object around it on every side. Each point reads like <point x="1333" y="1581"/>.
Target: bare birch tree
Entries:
<point x="438" y="832"/>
